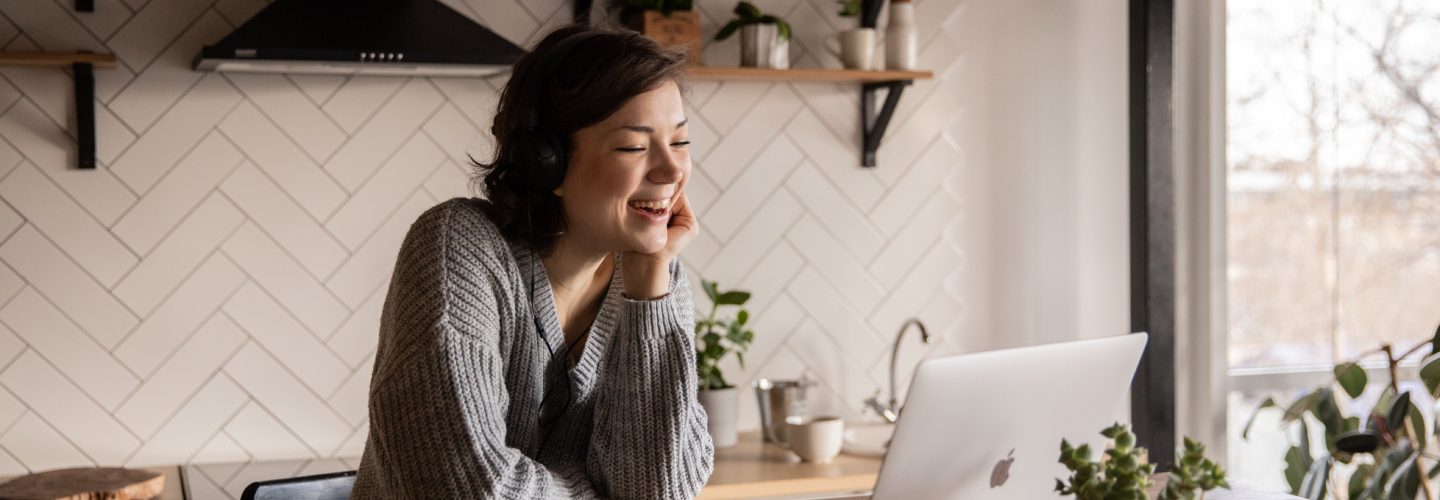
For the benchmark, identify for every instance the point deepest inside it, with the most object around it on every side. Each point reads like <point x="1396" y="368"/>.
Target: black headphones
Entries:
<point x="546" y="150"/>
<point x="535" y="143"/>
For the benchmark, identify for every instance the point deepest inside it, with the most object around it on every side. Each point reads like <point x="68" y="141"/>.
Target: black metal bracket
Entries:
<point x="873" y="126"/>
<point x="84" y="114"/>
<point x="85" y="5"/>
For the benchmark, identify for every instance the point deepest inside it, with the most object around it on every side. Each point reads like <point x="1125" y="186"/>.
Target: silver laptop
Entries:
<point x="988" y="425"/>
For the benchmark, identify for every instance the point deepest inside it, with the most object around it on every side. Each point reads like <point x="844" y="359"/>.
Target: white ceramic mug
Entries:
<point x="815" y="439"/>
<point x="857" y="47"/>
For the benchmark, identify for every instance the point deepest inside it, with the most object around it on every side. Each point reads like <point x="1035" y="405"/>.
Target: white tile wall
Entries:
<point x="212" y="292"/>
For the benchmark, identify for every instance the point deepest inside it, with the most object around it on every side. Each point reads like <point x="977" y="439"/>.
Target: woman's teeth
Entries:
<point x="653" y="207"/>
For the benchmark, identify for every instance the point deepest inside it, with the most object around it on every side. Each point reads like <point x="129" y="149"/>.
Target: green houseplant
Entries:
<point x="1122" y="474"/>
<point x="1387" y="454"/>
<point x="764" y="38"/>
<point x="716" y="336"/>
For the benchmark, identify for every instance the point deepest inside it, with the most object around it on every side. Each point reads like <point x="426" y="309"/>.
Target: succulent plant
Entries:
<point x="1123" y="474"/>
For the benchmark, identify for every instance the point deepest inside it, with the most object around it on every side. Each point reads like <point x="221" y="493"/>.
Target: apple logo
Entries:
<point x="1002" y="470"/>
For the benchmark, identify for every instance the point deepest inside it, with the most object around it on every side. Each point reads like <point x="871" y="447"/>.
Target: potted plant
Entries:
<point x="715" y="337"/>
<point x="1123" y="474"/>
<point x="669" y="22"/>
<point x="764" y="38"/>
<point x="1385" y="455"/>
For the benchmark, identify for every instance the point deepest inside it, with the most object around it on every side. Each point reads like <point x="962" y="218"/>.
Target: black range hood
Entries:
<point x="367" y="37"/>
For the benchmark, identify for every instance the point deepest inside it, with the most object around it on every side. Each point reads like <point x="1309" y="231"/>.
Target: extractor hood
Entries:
<point x="366" y="37"/>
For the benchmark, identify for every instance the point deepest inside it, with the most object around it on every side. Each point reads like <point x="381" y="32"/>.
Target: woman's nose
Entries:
<point x="670" y="168"/>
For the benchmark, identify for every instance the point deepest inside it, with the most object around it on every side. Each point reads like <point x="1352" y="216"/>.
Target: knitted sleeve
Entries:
<point x="438" y="400"/>
<point x="649" y="437"/>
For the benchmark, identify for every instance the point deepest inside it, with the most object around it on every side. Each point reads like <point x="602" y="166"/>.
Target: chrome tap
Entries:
<point x="890" y="411"/>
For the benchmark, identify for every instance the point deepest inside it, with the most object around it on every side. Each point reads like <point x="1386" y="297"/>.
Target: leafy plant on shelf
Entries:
<point x="1385" y="453"/>
<point x="748" y="13"/>
<point x="716" y="337"/>
<point x="1122" y="473"/>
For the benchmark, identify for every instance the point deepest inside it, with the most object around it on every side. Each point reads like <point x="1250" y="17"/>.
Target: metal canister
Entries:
<point x="777" y="400"/>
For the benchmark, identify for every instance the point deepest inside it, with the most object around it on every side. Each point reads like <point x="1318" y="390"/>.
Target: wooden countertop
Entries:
<point x="753" y="468"/>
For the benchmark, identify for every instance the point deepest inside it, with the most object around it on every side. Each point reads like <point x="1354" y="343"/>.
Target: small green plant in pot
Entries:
<point x="671" y="23"/>
<point x="716" y="336"/>
<point x="1123" y="474"/>
<point x="764" y="38"/>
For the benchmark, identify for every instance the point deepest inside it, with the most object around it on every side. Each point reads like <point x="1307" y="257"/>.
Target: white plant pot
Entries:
<point x="722" y="407"/>
<point x="761" y="47"/>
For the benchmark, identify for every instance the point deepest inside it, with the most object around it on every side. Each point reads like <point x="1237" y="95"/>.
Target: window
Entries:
<point x="1333" y="196"/>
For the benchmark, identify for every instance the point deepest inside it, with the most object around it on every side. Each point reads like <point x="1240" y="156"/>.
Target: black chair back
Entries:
<point x="332" y="486"/>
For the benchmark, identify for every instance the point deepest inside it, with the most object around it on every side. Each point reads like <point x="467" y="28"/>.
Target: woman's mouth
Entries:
<point x="652" y="210"/>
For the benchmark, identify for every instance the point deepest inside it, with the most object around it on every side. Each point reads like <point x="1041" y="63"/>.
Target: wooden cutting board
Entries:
<point x="85" y="483"/>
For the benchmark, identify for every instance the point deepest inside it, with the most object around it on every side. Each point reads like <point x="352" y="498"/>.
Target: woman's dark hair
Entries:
<point x="595" y="80"/>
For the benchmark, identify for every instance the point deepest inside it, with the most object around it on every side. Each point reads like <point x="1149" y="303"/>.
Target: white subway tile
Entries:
<point x="358" y="98"/>
<point x="754" y="240"/>
<point x="180" y="315"/>
<point x="838" y="160"/>
<point x="182" y="251"/>
<point x="758" y="128"/>
<point x="265" y="439"/>
<point x="158" y="87"/>
<point x="283" y="161"/>
<point x="171" y="386"/>
<point x="855" y="232"/>
<point x="359" y="336"/>
<point x="48" y="394"/>
<point x="53" y="152"/>
<point x="273" y="327"/>
<point x="840" y="267"/>
<point x="920" y="233"/>
<point x="375" y="261"/>
<point x="177" y="194"/>
<point x="275" y="271"/>
<point x="283" y="219"/>
<point x="360" y="216"/>
<point x="52" y="335"/>
<point x="284" y="103"/>
<point x="152" y="28"/>
<point x="177" y="131"/>
<point x="39" y="447"/>
<point x="741" y="202"/>
<point x="271" y="385"/>
<point x="54" y="275"/>
<point x="384" y="133"/>
<point x="201" y="417"/>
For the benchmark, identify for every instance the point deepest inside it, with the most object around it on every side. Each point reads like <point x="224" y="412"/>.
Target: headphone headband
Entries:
<point x="545" y="68"/>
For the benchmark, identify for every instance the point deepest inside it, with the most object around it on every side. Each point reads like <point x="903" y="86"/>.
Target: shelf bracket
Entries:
<point x="85" y="5"/>
<point x="873" y="126"/>
<point x="84" y="115"/>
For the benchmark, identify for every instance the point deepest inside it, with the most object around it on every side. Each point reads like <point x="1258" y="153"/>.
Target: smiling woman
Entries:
<point x="537" y="344"/>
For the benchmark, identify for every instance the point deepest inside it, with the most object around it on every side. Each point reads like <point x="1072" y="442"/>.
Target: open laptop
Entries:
<point x="988" y="425"/>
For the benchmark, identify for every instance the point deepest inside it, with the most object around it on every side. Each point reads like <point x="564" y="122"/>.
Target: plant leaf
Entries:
<point x="1313" y="486"/>
<point x="1294" y="473"/>
<point x="733" y="298"/>
<point x="1435" y="341"/>
<point x="1267" y="403"/>
<point x="1395" y="418"/>
<point x="1302" y="405"/>
<point x="1358" y="479"/>
<point x="1430" y="372"/>
<point x="747" y="10"/>
<point x="1352" y="378"/>
<point x="1404" y="483"/>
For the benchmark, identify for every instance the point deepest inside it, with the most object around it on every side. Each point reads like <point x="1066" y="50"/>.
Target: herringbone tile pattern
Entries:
<point x="212" y="292"/>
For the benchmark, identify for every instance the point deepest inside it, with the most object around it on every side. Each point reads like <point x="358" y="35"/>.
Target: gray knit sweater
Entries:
<point x="456" y="406"/>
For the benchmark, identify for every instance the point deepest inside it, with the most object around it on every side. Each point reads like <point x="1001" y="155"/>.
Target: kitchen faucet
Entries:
<point x="891" y="410"/>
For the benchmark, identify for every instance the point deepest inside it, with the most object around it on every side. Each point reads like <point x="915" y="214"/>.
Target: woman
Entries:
<point x="539" y="344"/>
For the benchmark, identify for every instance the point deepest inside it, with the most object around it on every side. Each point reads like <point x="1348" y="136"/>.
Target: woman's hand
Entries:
<point x="647" y="275"/>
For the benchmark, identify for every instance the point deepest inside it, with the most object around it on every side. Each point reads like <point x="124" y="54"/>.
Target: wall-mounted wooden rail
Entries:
<point x="82" y="64"/>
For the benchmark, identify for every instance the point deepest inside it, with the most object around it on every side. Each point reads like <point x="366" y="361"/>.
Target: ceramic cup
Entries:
<point x="857" y="47"/>
<point x="815" y="438"/>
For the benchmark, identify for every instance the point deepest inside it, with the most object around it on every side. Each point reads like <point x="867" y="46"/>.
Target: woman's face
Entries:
<point x="626" y="173"/>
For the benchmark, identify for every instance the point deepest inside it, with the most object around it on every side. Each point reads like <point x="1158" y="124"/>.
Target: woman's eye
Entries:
<point x="680" y="144"/>
<point x="631" y="150"/>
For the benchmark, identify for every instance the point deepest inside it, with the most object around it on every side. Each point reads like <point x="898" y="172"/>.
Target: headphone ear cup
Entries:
<point x="550" y="160"/>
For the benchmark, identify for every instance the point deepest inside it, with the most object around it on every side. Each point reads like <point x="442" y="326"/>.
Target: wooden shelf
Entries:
<point x="805" y="74"/>
<point x="56" y="59"/>
<point x="872" y="124"/>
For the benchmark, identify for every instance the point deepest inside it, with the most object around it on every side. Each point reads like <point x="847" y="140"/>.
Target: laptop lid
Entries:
<point x="988" y="425"/>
